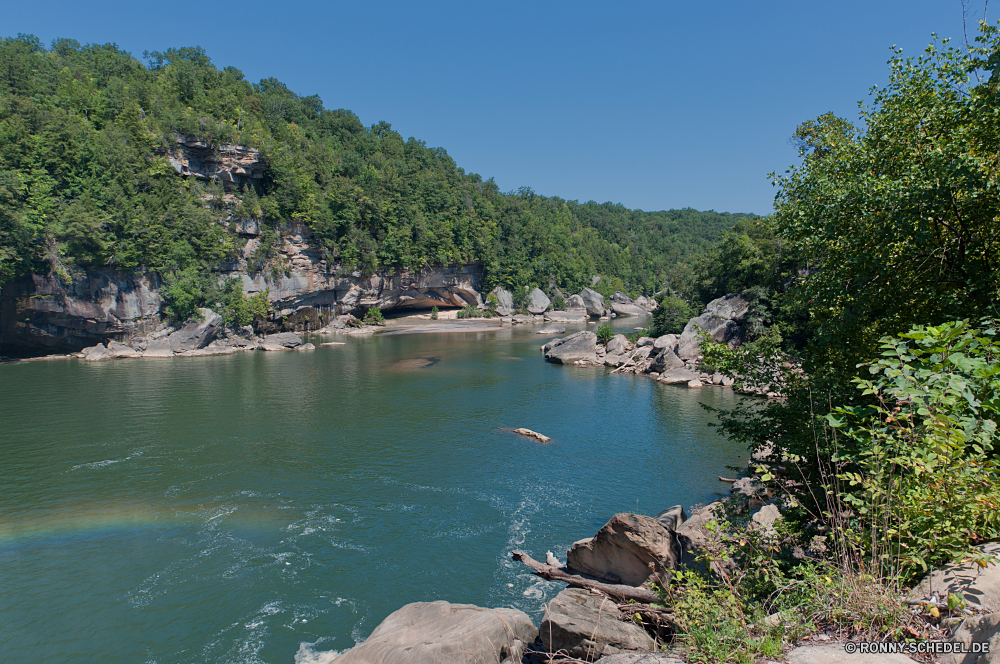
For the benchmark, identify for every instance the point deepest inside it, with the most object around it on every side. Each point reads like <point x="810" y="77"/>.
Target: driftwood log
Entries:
<point x="553" y="573"/>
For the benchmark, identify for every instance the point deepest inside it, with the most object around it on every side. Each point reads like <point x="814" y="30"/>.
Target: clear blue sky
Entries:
<point x="655" y="105"/>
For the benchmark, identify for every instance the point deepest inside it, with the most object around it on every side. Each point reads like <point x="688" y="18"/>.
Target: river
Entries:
<point x="275" y="507"/>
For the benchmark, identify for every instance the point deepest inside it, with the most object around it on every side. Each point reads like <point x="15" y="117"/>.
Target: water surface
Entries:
<point x="274" y="507"/>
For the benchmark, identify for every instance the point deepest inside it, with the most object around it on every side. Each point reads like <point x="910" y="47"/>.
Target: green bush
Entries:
<point x="559" y="304"/>
<point x="434" y="312"/>
<point x="605" y="334"/>
<point x="492" y="302"/>
<point x="671" y="315"/>
<point x="469" y="311"/>
<point x="374" y="317"/>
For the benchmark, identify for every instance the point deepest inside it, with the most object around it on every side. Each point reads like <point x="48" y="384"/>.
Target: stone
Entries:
<point x="612" y="360"/>
<point x="979" y="586"/>
<point x="158" y="348"/>
<point x="586" y="626"/>
<point x="672" y="517"/>
<point x="666" y="341"/>
<point x="538" y="302"/>
<point x="640" y="658"/>
<point x="593" y="301"/>
<point x="666" y="359"/>
<point x="575" y="347"/>
<point x="284" y="339"/>
<point x="617" y="345"/>
<point x="720" y="320"/>
<point x="575" y="303"/>
<point x="727" y="381"/>
<point x="764" y="518"/>
<point x="116" y="349"/>
<point x="975" y="630"/>
<point x="647" y="303"/>
<point x="630" y="549"/>
<point x="694" y="384"/>
<point x="717" y="378"/>
<point x="96" y="353"/>
<point x="623" y="309"/>
<point x="834" y="653"/>
<point x="306" y="347"/>
<point x="645" y="341"/>
<point x="576" y="316"/>
<point x="435" y="632"/>
<point x="532" y="434"/>
<point x="196" y="333"/>
<point x="677" y="376"/>
<point x="551" y="329"/>
<point x="692" y="531"/>
<point x="505" y="301"/>
<point x="521" y="319"/>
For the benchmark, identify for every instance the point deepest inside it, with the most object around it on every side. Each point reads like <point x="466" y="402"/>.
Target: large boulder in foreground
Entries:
<point x="436" y="632"/>
<point x="979" y="586"/>
<point x="579" y="347"/>
<point x="630" y="549"/>
<point x="977" y="630"/>
<point x="196" y="333"/>
<point x="593" y="301"/>
<point x="720" y="320"/>
<point x="538" y="301"/>
<point x="586" y="626"/>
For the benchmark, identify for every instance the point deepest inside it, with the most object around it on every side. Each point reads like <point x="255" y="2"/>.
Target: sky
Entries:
<point x="654" y="105"/>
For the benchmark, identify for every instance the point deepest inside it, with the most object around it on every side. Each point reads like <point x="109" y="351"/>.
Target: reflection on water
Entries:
<point x="273" y="507"/>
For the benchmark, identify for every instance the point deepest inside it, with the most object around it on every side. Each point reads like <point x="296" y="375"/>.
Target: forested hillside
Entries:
<point x="85" y="182"/>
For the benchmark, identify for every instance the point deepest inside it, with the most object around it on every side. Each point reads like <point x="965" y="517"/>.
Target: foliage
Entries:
<point x="434" y="312"/>
<point x="918" y="465"/>
<point x="671" y="315"/>
<point x="605" y="334"/>
<point x="492" y="302"/>
<point x="470" y="311"/>
<point x="85" y="136"/>
<point x="236" y="308"/>
<point x="374" y="316"/>
<point x="559" y="304"/>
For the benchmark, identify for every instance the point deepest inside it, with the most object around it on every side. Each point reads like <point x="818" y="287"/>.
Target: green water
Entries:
<point x="274" y="507"/>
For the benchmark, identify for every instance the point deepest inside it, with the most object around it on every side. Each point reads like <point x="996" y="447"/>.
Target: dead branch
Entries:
<point x="581" y="581"/>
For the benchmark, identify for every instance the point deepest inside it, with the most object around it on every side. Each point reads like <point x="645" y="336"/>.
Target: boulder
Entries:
<point x="538" y="302"/>
<point x="628" y="309"/>
<point x="672" y="517"/>
<point x="833" y="653"/>
<point x="434" y="632"/>
<point x="552" y="329"/>
<point x="575" y="303"/>
<point x="640" y="658"/>
<point x="158" y="348"/>
<point x="196" y="333"/>
<point x="116" y="349"/>
<point x="666" y="341"/>
<point x="306" y="347"/>
<point x="665" y="360"/>
<point x="96" y="353"/>
<point x="617" y="345"/>
<point x="979" y="586"/>
<point x="677" y="376"/>
<point x="621" y="298"/>
<point x="593" y="301"/>
<point x="645" y="341"/>
<point x="692" y="532"/>
<point x="581" y="346"/>
<point x="284" y="339"/>
<point x="576" y="316"/>
<point x="629" y="549"/>
<point x="696" y="384"/>
<point x="977" y="630"/>
<point x="505" y="301"/>
<point x="520" y="319"/>
<point x="612" y="360"/>
<point x="586" y="626"/>
<point x="647" y="303"/>
<point x="720" y="320"/>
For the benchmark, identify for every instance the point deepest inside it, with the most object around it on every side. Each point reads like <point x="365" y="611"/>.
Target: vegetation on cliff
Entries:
<point x="85" y="181"/>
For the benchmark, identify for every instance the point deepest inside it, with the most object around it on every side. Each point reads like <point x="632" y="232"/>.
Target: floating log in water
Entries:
<point x="725" y="479"/>
<point x="552" y="573"/>
<point x="334" y="343"/>
<point x="532" y="434"/>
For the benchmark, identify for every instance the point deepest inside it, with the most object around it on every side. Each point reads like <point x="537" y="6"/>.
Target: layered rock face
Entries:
<point x="233" y="165"/>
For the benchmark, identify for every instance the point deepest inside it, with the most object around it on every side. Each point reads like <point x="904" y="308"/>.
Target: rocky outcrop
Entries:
<point x="593" y="302"/>
<point x="232" y="165"/>
<point x="617" y="345"/>
<point x="435" y="632"/>
<point x="196" y="333"/>
<point x="720" y="320"/>
<point x="576" y="303"/>
<point x="505" y="300"/>
<point x="979" y="586"/>
<point x="537" y="301"/>
<point x="630" y="548"/>
<point x="577" y="316"/>
<point x="586" y="626"/>
<point x="973" y="633"/>
<point x="579" y="348"/>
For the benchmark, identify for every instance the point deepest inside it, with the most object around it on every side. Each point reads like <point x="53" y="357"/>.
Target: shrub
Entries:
<point x="492" y="302"/>
<point x="374" y="317"/>
<point x="605" y="334"/>
<point x="559" y="304"/>
<point x="434" y="312"/>
<point x="671" y="315"/>
<point x="469" y="311"/>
